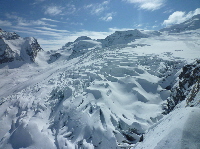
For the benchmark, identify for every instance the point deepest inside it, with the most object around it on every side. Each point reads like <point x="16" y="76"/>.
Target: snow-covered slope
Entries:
<point x="94" y="96"/>
<point x="122" y="37"/>
<point x="191" y="24"/>
<point x="17" y="50"/>
<point x="177" y="130"/>
<point x="74" y="49"/>
<point x="180" y="128"/>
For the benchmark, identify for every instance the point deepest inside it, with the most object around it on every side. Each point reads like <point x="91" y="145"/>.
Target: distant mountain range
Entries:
<point x="13" y="47"/>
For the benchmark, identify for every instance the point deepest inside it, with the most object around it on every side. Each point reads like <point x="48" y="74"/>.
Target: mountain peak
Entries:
<point x="8" y="35"/>
<point x="82" y="38"/>
<point x="17" y="49"/>
<point x="123" y="37"/>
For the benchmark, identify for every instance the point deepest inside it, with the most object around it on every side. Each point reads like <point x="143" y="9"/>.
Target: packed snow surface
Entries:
<point x="92" y="96"/>
<point x="178" y="130"/>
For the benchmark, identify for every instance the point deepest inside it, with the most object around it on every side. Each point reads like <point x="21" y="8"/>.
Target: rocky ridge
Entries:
<point x="187" y="87"/>
<point x="15" y="48"/>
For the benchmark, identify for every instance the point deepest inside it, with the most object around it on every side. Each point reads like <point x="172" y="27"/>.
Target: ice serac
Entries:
<point x="122" y="37"/>
<point x="15" y="48"/>
<point x="191" y="24"/>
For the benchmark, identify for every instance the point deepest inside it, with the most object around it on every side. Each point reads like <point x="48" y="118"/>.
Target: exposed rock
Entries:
<point x="54" y="57"/>
<point x="8" y="35"/>
<point x="33" y="48"/>
<point x="7" y="54"/>
<point x="187" y="87"/>
<point x="15" y="48"/>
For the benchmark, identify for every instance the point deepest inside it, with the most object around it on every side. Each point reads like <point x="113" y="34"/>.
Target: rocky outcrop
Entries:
<point x="15" y="48"/>
<point x="187" y="86"/>
<point x="32" y="48"/>
<point x="8" y="35"/>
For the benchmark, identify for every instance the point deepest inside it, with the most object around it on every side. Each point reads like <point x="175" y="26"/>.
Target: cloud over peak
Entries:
<point x="180" y="16"/>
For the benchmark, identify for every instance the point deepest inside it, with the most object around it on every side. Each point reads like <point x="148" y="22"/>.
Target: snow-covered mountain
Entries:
<point x="191" y="24"/>
<point x="18" y="50"/>
<point x="122" y="37"/>
<point x="110" y="93"/>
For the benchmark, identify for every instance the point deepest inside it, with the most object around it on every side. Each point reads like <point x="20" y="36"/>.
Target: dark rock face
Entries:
<point x="54" y="57"/>
<point x="7" y="54"/>
<point x="26" y="49"/>
<point x="8" y="35"/>
<point x="187" y="87"/>
<point x="33" y="49"/>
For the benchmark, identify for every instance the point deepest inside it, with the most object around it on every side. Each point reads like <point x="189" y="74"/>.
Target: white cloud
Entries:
<point x="108" y="17"/>
<point x="168" y="11"/>
<point x="148" y="4"/>
<point x="112" y="30"/>
<point x="180" y="16"/>
<point x="77" y="23"/>
<point x="33" y="23"/>
<point x="46" y="19"/>
<point x="98" y="8"/>
<point x="38" y="1"/>
<point x="52" y="29"/>
<point x="53" y="10"/>
<point x="5" y="23"/>
<point x="24" y="22"/>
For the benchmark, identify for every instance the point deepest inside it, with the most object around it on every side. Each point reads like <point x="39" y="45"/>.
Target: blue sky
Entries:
<point x="56" y="22"/>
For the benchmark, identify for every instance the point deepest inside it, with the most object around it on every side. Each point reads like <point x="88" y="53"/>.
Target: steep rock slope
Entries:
<point x="187" y="86"/>
<point x="15" y="48"/>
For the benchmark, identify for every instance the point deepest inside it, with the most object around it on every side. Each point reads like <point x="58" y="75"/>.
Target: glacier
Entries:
<point x="106" y="93"/>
